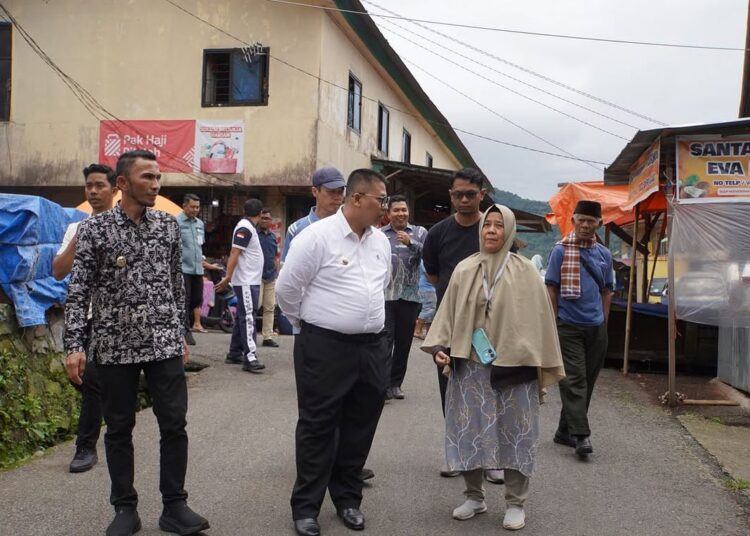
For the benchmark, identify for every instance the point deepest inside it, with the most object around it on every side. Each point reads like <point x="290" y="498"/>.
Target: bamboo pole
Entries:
<point x="691" y="402"/>
<point x="671" y="318"/>
<point x="629" y="309"/>
<point x="658" y="251"/>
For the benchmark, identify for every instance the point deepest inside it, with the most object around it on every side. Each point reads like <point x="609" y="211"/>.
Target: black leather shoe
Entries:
<point x="583" y="446"/>
<point x="125" y="523"/>
<point x="189" y="339"/>
<point x="397" y="393"/>
<point x="561" y="438"/>
<point x="307" y="527"/>
<point x="83" y="460"/>
<point x="233" y="359"/>
<point x="178" y="517"/>
<point x="254" y="366"/>
<point x="271" y="343"/>
<point x="366" y="474"/>
<point x="352" y="518"/>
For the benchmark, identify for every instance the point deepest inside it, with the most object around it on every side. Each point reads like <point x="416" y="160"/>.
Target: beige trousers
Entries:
<point x="268" y="301"/>
<point x="516" y="486"/>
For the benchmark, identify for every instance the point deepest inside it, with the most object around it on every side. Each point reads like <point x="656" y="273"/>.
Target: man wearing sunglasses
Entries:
<point x="448" y="243"/>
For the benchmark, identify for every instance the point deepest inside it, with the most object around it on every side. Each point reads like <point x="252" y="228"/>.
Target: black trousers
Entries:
<point x="583" y="351"/>
<point x="340" y="386"/>
<point x="90" y="417"/>
<point x="193" y="296"/>
<point x="400" y="318"/>
<point x="168" y="390"/>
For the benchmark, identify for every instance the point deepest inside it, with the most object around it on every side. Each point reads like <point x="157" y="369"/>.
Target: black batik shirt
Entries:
<point x="132" y="274"/>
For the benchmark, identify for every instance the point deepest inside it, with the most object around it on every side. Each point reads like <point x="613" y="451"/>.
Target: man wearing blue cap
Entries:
<point x="328" y="186"/>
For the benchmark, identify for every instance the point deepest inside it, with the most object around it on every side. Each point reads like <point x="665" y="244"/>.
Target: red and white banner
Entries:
<point x="172" y="141"/>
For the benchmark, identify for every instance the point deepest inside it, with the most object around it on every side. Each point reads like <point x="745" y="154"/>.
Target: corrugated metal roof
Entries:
<point x="618" y="171"/>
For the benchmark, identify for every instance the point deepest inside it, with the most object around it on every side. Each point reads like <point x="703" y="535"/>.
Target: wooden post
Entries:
<point x="671" y="316"/>
<point x="629" y="309"/>
<point x="647" y="227"/>
<point x="658" y="252"/>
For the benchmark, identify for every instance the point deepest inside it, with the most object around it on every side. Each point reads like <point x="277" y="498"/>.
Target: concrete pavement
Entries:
<point x="647" y="476"/>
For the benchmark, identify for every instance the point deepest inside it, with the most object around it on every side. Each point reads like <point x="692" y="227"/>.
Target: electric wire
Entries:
<point x="527" y="70"/>
<point x="89" y="102"/>
<point x="506" y="87"/>
<point x="506" y="75"/>
<point x="390" y="107"/>
<point x="519" y="32"/>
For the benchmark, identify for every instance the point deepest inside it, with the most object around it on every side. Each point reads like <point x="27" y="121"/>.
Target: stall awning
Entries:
<point x="611" y="197"/>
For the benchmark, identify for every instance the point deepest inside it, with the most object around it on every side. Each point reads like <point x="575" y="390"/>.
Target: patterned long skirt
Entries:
<point x="489" y="429"/>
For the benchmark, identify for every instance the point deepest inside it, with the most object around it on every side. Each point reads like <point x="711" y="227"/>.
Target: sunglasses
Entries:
<point x="468" y="194"/>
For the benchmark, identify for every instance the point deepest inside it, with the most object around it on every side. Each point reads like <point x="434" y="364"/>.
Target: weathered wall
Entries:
<point x="338" y="58"/>
<point x="144" y="60"/>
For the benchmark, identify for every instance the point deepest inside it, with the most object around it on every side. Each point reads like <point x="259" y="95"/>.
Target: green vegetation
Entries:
<point x="736" y="484"/>
<point x="39" y="408"/>
<point x="536" y="243"/>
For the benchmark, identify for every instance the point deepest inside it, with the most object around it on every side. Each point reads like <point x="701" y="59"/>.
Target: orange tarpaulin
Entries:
<point x="162" y="203"/>
<point x="612" y="199"/>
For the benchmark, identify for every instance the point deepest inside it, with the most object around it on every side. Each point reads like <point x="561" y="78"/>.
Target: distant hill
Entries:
<point x="540" y="243"/>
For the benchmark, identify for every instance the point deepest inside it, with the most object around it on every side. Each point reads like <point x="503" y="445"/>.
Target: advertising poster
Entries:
<point x="713" y="169"/>
<point x="219" y="146"/>
<point x="644" y="176"/>
<point x="173" y="142"/>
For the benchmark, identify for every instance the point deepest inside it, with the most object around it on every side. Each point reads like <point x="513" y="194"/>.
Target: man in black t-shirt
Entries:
<point x="448" y="243"/>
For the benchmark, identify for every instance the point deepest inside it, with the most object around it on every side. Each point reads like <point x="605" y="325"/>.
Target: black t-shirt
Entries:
<point x="447" y="244"/>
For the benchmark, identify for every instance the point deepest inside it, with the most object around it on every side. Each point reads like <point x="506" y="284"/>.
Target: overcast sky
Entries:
<point x="675" y="86"/>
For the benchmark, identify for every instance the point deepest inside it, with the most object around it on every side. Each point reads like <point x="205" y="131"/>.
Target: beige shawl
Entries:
<point x="520" y="321"/>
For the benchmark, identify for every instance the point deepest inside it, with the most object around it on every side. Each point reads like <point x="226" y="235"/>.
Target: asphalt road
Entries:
<point x="647" y="476"/>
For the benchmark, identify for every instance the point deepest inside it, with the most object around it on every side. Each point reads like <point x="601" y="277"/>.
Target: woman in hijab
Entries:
<point x="495" y="306"/>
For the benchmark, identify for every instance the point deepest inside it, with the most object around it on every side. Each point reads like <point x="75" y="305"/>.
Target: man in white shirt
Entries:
<point x="332" y="287"/>
<point x="245" y="273"/>
<point x="100" y="190"/>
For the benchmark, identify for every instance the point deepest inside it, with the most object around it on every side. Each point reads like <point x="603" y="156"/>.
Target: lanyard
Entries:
<point x="489" y="290"/>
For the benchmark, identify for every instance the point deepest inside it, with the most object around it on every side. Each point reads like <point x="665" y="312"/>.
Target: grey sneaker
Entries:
<point x="515" y="518"/>
<point x="469" y="509"/>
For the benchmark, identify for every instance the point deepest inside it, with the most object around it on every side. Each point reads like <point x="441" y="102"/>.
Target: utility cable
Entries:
<point x="506" y="87"/>
<point x="498" y="114"/>
<point x="377" y="101"/>
<point x="91" y="105"/>
<point x="528" y="71"/>
<point x="506" y="75"/>
<point x="511" y="31"/>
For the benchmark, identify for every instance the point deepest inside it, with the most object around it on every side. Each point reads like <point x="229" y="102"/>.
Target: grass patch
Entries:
<point x="736" y="484"/>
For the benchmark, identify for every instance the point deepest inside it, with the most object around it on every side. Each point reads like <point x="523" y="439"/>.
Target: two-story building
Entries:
<point x="238" y="98"/>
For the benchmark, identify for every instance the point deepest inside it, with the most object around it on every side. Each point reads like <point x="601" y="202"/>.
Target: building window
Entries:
<point x="428" y="159"/>
<point x="5" y="56"/>
<point x="406" y="147"/>
<point x="383" y="127"/>
<point x="233" y="77"/>
<point x="354" y="112"/>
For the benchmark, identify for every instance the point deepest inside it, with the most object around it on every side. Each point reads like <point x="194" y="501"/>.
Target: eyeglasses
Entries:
<point x="382" y="199"/>
<point x="468" y="194"/>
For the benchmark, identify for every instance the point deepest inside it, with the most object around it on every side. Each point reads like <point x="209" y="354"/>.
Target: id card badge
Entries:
<point x="483" y="346"/>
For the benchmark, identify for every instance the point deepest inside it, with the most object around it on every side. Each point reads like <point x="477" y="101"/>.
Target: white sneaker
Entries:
<point x="515" y="518"/>
<point x="495" y="476"/>
<point x="469" y="509"/>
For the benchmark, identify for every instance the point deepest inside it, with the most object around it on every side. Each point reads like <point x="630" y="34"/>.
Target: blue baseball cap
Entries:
<point x="328" y="177"/>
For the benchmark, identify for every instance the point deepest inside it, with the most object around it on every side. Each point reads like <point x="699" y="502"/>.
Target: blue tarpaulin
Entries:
<point x="31" y="231"/>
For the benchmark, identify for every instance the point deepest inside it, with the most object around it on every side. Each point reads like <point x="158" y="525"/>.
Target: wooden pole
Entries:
<point x="671" y="317"/>
<point x="631" y="282"/>
<point x="647" y="227"/>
